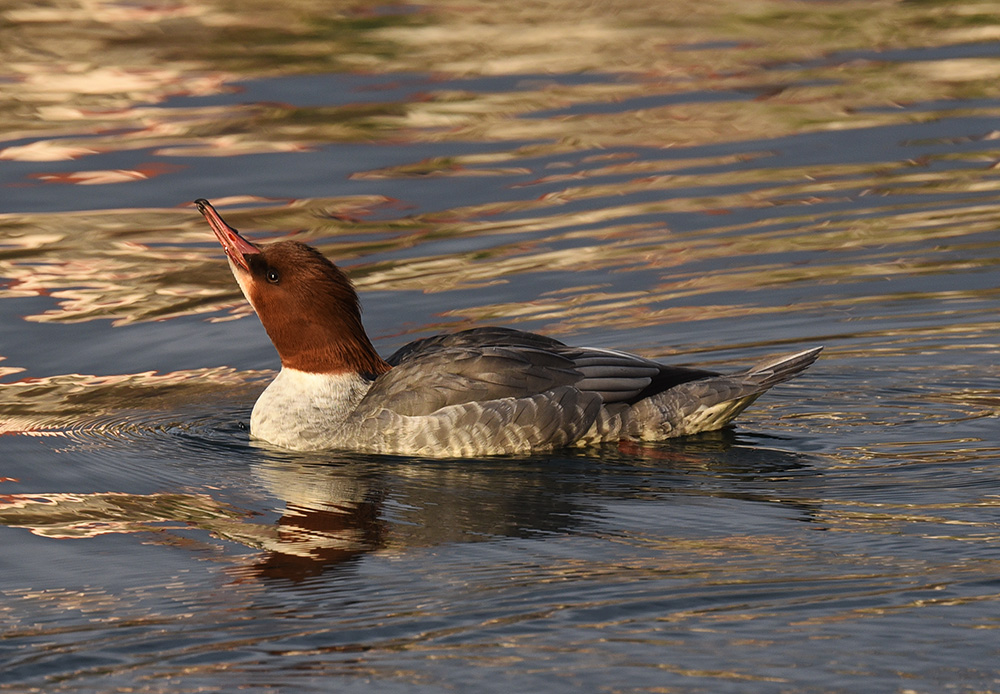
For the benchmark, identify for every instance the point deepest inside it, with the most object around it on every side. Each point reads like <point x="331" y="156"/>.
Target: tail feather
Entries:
<point x="711" y="403"/>
<point x="778" y="370"/>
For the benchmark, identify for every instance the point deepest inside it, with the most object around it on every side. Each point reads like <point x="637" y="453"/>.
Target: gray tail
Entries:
<point x="774" y="371"/>
<point x="711" y="403"/>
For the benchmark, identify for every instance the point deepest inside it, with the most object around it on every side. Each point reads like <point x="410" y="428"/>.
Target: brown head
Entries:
<point x="307" y="304"/>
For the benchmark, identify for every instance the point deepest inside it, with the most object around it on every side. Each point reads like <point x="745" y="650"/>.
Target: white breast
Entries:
<point x="306" y="411"/>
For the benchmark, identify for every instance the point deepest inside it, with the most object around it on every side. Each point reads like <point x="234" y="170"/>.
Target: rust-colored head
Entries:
<point x="307" y="304"/>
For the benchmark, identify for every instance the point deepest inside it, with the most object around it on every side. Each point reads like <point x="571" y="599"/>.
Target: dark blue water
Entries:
<point x="776" y="187"/>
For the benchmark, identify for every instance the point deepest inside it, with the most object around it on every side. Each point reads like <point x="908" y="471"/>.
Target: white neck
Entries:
<point x="302" y="410"/>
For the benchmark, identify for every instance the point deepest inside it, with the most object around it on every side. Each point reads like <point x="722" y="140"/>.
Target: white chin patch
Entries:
<point x="242" y="279"/>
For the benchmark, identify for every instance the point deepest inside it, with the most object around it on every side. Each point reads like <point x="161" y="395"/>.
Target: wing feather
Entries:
<point x="493" y="363"/>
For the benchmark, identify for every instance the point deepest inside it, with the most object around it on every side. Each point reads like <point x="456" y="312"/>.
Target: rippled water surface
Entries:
<point x="696" y="182"/>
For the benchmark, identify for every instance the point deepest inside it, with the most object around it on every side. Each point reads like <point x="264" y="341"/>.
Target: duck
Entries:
<point x="483" y="391"/>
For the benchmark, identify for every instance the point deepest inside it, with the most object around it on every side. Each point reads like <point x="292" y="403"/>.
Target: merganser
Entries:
<point x="484" y="391"/>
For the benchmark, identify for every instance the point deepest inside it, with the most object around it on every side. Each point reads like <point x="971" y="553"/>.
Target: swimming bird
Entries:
<point x="484" y="391"/>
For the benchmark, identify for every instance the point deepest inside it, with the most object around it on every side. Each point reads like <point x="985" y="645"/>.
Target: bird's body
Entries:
<point x="484" y="391"/>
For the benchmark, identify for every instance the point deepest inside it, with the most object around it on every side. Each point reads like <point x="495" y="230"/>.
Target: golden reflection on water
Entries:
<point x="75" y="405"/>
<point x="126" y="266"/>
<point x="78" y="516"/>
<point x="667" y="48"/>
<point x="123" y="265"/>
<point x="160" y="267"/>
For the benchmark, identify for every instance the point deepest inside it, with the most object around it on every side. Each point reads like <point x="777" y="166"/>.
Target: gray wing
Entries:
<point x="493" y="391"/>
<point x="455" y="375"/>
<point x="627" y="378"/>
<point x="491" y="363"/>
<point x="474" y="338"/>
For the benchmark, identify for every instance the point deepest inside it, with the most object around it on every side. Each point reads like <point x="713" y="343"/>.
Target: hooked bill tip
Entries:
<point x="236" y="247"/>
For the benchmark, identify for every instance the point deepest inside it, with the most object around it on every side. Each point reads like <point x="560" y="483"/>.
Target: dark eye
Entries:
<point x="272" y="275"/>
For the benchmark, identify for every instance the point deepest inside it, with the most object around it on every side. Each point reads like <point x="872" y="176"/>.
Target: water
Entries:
<point x="698" y="182"/>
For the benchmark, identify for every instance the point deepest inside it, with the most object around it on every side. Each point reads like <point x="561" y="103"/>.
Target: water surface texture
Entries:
<point x="699" y="182"/>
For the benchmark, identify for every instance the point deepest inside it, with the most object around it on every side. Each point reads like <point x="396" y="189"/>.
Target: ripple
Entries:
<point x="75" y="516"/>
<point x="194" y="411"/>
